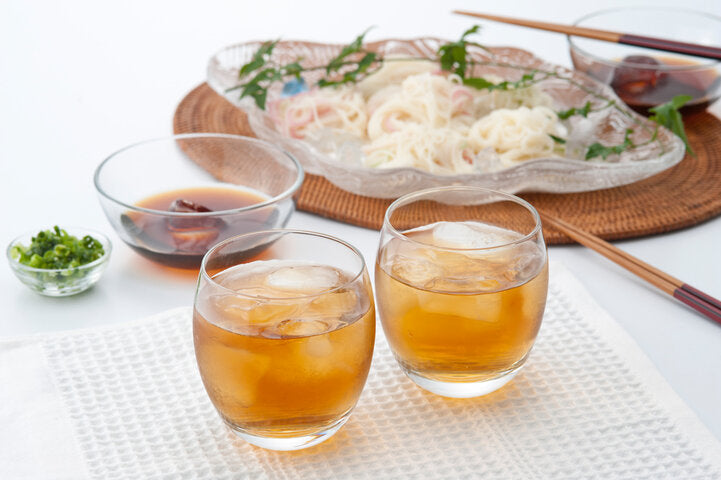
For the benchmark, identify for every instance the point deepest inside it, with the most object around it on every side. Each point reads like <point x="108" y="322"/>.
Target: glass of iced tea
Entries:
<point x="284" y="339"/>
<point x="461" y="283"/>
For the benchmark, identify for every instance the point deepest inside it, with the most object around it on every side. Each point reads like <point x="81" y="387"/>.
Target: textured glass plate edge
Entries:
<point x="551" y="175"/>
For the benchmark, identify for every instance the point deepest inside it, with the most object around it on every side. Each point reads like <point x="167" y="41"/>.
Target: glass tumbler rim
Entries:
<point x="400" y="201"/>
<point x="282" y="231"/>
<point x="288" y="192"/>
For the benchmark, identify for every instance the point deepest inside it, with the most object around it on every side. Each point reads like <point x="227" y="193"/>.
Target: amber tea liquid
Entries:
<point x="284" y="367"/>
<point x="454" y="316"/>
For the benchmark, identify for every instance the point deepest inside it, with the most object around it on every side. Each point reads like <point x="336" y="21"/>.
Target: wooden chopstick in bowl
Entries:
<point x="694" y="298"/>
<point x="655" y="43"/>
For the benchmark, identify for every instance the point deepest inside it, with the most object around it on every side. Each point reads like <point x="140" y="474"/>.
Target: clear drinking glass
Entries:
<point x="283" y="326"/>
<point x="461" y="284"/>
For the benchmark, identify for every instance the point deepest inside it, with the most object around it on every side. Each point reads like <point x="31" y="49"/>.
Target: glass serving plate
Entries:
<point x="340" y="164"/>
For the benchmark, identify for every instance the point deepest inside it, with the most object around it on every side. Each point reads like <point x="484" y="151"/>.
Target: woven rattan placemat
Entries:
<point x="682" y="196"/>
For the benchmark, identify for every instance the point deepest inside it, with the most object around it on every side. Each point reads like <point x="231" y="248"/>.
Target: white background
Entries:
<point x="81" y="79"/>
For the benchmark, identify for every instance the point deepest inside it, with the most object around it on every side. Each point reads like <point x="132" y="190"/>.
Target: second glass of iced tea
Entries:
<point x="461" y="284"/>
<point x="283" y="326"/>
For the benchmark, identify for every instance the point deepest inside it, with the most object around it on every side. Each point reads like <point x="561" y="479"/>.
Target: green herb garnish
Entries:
<point x="453" y="56"/>
<point x="359" y="68"/>
<point x="668" y="115"/>
<point x="583" y="111"/>
<point x="55" y="249"/>
<point x="603" y="151"/>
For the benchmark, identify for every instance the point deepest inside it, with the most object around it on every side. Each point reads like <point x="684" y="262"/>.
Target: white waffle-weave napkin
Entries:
<point x="588" y="405"/>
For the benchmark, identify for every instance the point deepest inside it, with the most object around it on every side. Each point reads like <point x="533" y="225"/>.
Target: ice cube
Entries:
<point x="470" y="235"/>
<point x="272" y="312"/>
<point x="335" y="305"/>
<point x="318" y="346"/>
<point x="470" y="282"/>
<point x="230" y="312"/>
<point x="233" y="305"/>
<point x="245" y="278"/>
<point x="237" y="382"/>
<point x="419" y="271"/>
<point x="526" y="263"/>
<point x="485" y="308"/>
<point x="304" y="279"/>
<point x="450" y="271"/>
<point x="236" y="312"/>
<point x="296" y="327"/>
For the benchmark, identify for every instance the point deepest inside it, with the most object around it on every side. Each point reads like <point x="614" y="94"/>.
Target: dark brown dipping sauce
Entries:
<point x="642" y="88"/>
<point x="213" y="198"/>
<point x="180" y="241"/>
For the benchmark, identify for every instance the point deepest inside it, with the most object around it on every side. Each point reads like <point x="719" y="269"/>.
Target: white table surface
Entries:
<point x="80" y="79"/>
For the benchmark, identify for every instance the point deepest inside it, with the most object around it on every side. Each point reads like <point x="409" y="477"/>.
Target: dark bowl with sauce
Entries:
<point x="171" y="199"/>
<point x="644" y="78"/>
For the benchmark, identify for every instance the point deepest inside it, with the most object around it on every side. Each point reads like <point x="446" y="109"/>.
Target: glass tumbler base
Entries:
<point x="290" y="443"/>
<point x="459" y="389"/>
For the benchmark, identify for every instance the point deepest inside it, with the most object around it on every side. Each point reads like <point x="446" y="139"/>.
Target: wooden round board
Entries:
<point x="679" y="197"/>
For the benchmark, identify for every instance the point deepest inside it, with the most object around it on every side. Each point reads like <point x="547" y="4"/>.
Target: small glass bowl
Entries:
<point x="203" y="162"/>
<point x="65" y="281"/>
<point x="643" y="77"/>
